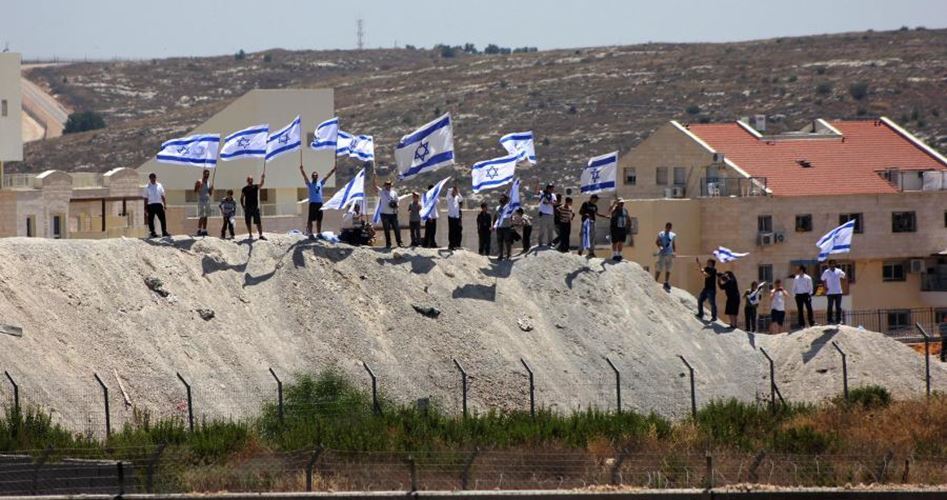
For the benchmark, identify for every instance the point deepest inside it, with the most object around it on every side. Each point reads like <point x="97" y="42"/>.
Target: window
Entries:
<point x="680" y="176"/>
<point x="30" y="227"/>
<point x="899" y="319"/>
<point x="57" y="226"/>
<point x="843" y="218"/>
<point x="661" y="176"/>
<point x="940" y="316"/>
<point x="631" y="178"/>
<point x="765" y="273"/>
<point x="804" y="223"/>
<point x="3" y="108"/>
<point x="903" y="222"/>
<point x="764" y="223"/>
<point x="893" y="271"/>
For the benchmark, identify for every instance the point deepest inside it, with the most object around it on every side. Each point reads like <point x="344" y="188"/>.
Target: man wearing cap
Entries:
<point x="588" y="212"/>
<point x="547" y="214"/>
<point x="388" y="201"/>
<point x="155" y="203"/>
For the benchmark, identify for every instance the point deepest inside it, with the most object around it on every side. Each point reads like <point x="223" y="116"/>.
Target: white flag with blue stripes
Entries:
<point x="326" y="136"/>
<point x="284" y="140"/>
<point x="838" y="240"/>
<point x="600" y="175"/>
<point x="512" y="205"/>
<point x="196" y="151"/>
<point x="362" y="147"/>
<point x="430" y="198"/>
<point x="724" y="254"/>
<point x="354" y="190"/>
<point x="494" y="173"/>
<point x="520" y="142"/>
<point x="247" y="143"/>
<point x="426" y="149"/>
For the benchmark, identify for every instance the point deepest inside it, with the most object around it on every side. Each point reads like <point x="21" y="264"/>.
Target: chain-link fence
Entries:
<point x="172" y="470"/>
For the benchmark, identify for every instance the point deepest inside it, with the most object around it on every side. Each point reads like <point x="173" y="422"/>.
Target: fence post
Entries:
<point x="617" y="383"/>
<point x="150" y="469"/>
<point x="310" y="465"/>
<point x="927" y="358"/>
<point x="16" y="391"/>
<point x="772" y="381"/>
<point x="413" y="470"/>
<point x="376" y="408"/>
<point x="693" y="387"/>
<point x="844" y="370"/>
<point x="463" y="384"/>
<point x="465" y="474"/>
<point x="709" y="479"/>
<point x="532" y="389"/>
<point x="279" y="395"/>
<point x="121" y="478"/>
<point x="108" y="416"/>
<point x="190" y="406"/>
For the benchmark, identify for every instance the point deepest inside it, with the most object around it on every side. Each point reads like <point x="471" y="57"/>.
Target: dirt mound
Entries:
<point x="221" y="313"/>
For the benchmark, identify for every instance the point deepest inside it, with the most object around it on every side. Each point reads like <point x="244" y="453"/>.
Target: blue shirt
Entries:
<point x="666" y="238"/>
<point x="315" y="190"/>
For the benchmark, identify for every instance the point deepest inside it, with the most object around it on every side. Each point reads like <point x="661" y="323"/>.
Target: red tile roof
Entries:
<point x="839" y="166"/>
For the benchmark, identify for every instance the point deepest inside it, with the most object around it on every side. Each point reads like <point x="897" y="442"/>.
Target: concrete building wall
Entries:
<point x="11" y="140"/>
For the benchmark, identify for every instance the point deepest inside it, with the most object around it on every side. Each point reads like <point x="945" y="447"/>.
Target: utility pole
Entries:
<point x="360" y="33"/>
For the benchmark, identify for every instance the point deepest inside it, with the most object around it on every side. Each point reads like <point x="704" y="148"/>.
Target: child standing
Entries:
<point x="778" y="309"/>
<point x="484" y="224"/>
<point x="414" y="220"/>
<point x="524" y="224"/>
<point x="228" y="208"/>
<point x="565" y="216"/>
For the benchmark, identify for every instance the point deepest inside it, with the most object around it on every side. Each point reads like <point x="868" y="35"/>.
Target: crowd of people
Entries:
<point x="554" y="218"/>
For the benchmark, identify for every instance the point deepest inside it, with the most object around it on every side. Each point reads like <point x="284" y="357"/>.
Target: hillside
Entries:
<point x="579" y="102"/>
<point x="300" y="306"/>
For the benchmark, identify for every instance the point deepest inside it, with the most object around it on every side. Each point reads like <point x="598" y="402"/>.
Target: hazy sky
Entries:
<point x="160" y="28"/>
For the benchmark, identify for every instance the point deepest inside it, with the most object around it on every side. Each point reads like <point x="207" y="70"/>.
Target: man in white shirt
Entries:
<point x="802" y="290"/>
<point x="155" y="204"/>
<point x="388" y="200"/>
<point x="430" y="223"/>
<point x="667" y="247"/>
<point x="832" y="278"/>
<point x="454" y="229"/>
<point x="547" y="214"/>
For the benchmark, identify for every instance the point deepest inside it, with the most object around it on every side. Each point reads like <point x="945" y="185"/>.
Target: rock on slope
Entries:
<point x="300" y="306"/>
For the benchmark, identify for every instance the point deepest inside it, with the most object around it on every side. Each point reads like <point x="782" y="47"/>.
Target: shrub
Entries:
<point x="445" y="51"/>
<point x="82" y="121"/>
<point x="693" y="109"/>
<point x="410" y="47"/>
<point x="801" y="440"/>
<point x="858" y="90"/>
<point x="267" y="58"/>
<point x="240" y="55"/>
<point x="820" y="70"/>
<point x="867" y="397"/>
<point x="824" y="88"/>
<point x="492" y="49"/>
<point x="792" y="78"/>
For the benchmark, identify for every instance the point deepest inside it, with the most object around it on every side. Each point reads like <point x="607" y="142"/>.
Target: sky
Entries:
<point x="104" y="29"/>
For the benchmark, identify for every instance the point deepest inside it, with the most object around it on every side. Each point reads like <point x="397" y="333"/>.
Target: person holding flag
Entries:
<point x="204" y="188"/>
<point x="315" y="187"/>
<point x="587" y="213"/>
<point x="388" y="206"/>
<point x="455" y="235"/>
<point x="832" y="278"/>
<point x="502" y="223"/>
<point x="430" y="220"/>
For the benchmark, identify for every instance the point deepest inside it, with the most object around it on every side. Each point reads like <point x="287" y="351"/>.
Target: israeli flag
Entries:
<point x="343" y="143"/>
<point x="426" y="149"/>
<point x="838" y="240"/>
<point x="353" y="191"/>
<point x="587" y="226"/>
<point x="247" y="143"/>
<point x="600" y="175"/>
<point x="196" y="151"/>
<point x="724" y="254"/>
<point x="362" y="147"/>
<point x="430" y="198"/>
<point x="520" y="142"/>
<point x="284" y="140"/>
<point x="512" y="205"/>
<point x="494" y="173"/>
<point x="326" y="136"/>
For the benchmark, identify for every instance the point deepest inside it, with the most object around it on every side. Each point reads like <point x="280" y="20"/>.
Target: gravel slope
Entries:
<point x="297" y="306"/>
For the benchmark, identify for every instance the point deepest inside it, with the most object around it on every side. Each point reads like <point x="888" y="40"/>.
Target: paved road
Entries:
<point x="44" y="101"/>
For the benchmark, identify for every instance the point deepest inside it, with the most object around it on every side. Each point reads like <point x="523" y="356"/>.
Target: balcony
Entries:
<point x="934" y="282"/>
<point x="717" y="187"/>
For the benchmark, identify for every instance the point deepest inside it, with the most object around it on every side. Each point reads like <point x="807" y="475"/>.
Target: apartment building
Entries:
<point x="732" y="185"/>
<point x="11" y="140"/>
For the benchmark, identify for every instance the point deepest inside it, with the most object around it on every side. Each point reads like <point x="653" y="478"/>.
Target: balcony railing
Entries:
<point x="934" y="283"/>
<point x="711" y="187"/>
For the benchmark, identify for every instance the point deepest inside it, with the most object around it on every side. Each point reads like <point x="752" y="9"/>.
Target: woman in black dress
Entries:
<point x="728" y="283"/>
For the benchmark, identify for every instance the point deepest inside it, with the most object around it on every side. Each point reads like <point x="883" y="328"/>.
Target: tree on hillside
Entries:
<point x="82" y="121"/>
<point x="858" y="90"/>
<point x="470" y="48"/>
<point x="240" y="55"/>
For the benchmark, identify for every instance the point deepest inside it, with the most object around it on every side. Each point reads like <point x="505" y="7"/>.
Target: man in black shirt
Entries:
<point x="250" y="201"/>
<point x="709" y="293"/>
<point x="484" y="225"/>
<point x="588" y="212"/>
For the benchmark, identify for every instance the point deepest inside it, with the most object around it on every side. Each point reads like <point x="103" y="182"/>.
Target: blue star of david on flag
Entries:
<point x="596" y="175"/>
<point x="492" y="173"/>
<point x="243" y="142"/>
<point x="423" y="150"/>
<point x="196" y="150"/>
<point x="246" y="143"/>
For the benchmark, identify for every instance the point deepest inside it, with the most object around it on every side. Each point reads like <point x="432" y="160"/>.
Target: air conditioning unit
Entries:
<point x="677" y="192"/>
<point x="917" y="266"/>
<point x="765" y="239"/>
<point x="779" y="237"/>
<point x="719" y="158"/>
